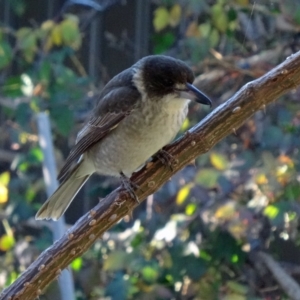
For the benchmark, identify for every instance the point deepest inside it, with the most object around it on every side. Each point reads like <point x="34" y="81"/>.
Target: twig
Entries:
<point x="287" y="283"/>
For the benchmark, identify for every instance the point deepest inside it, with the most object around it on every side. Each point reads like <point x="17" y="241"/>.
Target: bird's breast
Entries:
<point x="140" y="135"/>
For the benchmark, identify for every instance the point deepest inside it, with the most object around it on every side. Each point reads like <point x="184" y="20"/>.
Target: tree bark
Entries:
<point x="222" y="121"/>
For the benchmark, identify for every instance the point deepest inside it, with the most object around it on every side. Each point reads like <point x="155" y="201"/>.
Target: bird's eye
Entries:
<point x="168" y="82"/>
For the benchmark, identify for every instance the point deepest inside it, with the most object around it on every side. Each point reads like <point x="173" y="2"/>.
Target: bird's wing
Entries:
<point x="114" y="105"/>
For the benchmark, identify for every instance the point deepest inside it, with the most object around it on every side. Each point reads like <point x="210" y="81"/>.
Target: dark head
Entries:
<point x="161" y="75"/>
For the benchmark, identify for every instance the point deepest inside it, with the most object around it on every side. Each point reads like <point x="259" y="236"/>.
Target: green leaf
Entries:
<point x="76" y="264"/>
<point x="190" y="209"/>
<point x="70" y="32"/>
<point x="23" y="114"/>
<point x="150" y="274"/>
<point x="36" y="155"/>
<point x="219" y="17"/>
<point x="161" y="18"/>
<point x="116" y="260"/>
<point x="63" y="119"/>
<point x="6" y="242"/>
<point x="5" y="54"/>
<point x="208" y="177"/>
<point x="163" y="42"/>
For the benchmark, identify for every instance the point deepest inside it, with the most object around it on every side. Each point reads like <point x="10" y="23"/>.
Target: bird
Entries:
<point x="137" y="113"/>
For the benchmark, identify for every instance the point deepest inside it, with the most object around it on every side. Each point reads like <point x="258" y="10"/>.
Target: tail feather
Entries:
<point x="60" y="200"/>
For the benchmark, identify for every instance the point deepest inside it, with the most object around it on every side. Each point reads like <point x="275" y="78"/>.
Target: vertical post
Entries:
<point x="49" y="171"/>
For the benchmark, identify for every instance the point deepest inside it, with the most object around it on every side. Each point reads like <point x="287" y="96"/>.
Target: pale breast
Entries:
<point x="139" y="136"/>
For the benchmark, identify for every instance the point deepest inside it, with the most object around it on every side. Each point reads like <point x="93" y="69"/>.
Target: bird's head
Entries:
<point x="159" y="75"/>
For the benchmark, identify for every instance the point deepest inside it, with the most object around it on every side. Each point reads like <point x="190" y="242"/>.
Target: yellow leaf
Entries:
<point x="47" y="25"/>
<point x="5" y="178"/>
<point x="185" y="125"/>
<point x="284" y="159"/>
<point x="271" y="211"/>
<point x="242" y="2"/>
<point x="161" y="18"/>
<point x="6" y="242"/>
<point x="193" y="30"/>
<point x="237" y="287"/>
<point x="226" y="212"/>
<point x="261" y="179"/>
<point x="219" y="161"/>
<point x="3" y="193"/>
<point x="116" y="261"/>
<point x="56" y="36"/>
<point x="183" y="194"/>
<point x="175" y="15"/>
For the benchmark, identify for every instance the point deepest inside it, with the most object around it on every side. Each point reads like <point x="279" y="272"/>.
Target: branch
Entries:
<point x="287" y="283"/>
<point x="218" y="124"/>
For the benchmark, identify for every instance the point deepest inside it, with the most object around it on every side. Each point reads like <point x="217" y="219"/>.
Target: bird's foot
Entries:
<point x="167" y="159"/>
<point x="130" y="186"/>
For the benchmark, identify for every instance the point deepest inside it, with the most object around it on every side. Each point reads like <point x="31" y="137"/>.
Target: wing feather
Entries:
<point x="116" y="101"/>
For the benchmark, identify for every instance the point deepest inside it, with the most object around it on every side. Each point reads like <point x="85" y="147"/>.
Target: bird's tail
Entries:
<point x="60" y="200"/>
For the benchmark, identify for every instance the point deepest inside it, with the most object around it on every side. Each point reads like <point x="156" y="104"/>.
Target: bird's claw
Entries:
<point x="130" y="186"/>
<point x="167" y="159"/>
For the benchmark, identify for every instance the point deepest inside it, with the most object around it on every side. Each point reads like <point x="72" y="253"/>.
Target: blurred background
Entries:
<point x="196" y="238"/>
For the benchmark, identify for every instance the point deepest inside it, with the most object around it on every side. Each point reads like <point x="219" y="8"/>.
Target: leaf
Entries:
<point x="116" y="260"/>
<point x="27" y="42"/>
<point x="237" y="287"/>
<point x="70" y="32"/>
<point x="205" y="29"/>
<point x="64" y="120"/>
<point x="226" y="211"/>
<point x="242" y="2"/>
<point x="6" y="242"/>
<point x="214" y="38"/>
<point x="3" y="193"/>
<point x="48" y="25"/>
<point x="5" y="178"/>
<point x="175" y="15"/>
<point x="208" y="177"/>
<point x="190" y="209"/>
<point x="193" y="30"/>
<point x="163" y="42"/>
<point x="219" y="161"/>
<point x="35" y="155"/>
<point x="261" y="179"/>
<point x="150" y="274"/>
<point x="183" y="194"/>
<point x="271" y="211"/>
<point x="56" y="35"/>
<point x="76" y="264"/>
<point x="219" y="17"/>
<point x="5" y="54"/>
<point x="161" y="18"/>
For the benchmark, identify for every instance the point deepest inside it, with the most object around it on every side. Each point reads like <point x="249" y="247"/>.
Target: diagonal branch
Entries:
<point x="200" y="139"/>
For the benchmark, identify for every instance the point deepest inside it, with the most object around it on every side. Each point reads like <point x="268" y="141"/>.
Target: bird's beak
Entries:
<point x="192" y="93"/>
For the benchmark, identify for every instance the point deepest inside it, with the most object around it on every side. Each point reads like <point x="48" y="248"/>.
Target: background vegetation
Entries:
<point x="197" y="237"/>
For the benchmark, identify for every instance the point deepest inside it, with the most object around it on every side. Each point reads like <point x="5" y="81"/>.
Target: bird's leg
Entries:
<point x="166" y="158"/>
<point x="130" y="186"/>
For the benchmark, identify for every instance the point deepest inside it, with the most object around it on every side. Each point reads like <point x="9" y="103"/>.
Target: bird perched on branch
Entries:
<point x="138" y="112"/>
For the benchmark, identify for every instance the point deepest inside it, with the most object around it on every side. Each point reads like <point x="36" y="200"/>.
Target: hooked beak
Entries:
<point x="192" y="93"/>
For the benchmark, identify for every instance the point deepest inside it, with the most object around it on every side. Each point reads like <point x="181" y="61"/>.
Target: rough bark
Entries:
<point x="221" y="122"/>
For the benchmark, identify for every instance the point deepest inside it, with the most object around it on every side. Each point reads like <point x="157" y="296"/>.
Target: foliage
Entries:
<point x="196" y="239"/>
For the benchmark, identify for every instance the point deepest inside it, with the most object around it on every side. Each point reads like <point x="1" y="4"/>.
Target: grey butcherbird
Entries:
<point x="138" y="112"/>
